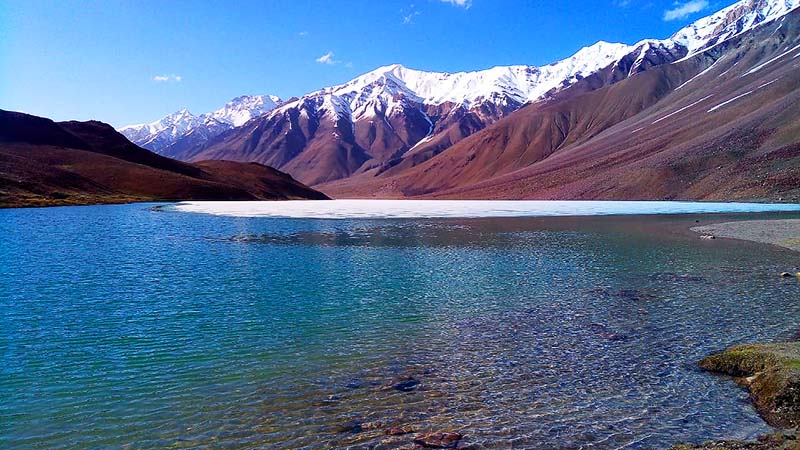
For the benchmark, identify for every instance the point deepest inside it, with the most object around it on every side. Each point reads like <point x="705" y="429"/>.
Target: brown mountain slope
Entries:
<point x="665" y="133"/>
<point x="319" y="139"/>
<point x="48" y="163"/>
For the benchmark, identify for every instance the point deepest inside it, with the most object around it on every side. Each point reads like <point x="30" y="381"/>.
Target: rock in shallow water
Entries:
<point x="438" y="440"/>
<point x="369" y="426"/>
<point x="778" y="441"/>
<point x="405" y="384"/>
<point x="398" y="431"/>
<point x="772" y="374"/>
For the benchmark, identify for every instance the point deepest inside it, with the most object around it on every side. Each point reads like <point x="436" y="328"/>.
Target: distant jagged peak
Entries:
<point x="240" y="110"/>
<point x="731" y="21"/>
<point x="167" y="130"/>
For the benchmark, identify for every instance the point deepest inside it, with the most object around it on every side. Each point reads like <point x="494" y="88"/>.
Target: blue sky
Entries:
<point x="135" y="61"/>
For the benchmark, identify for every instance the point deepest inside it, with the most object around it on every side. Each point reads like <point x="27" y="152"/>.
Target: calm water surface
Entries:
<point x="123" y="327"/>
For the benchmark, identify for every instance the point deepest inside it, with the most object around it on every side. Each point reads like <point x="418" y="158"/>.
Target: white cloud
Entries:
<point x="167" y="78"/>
<point x="684" y="10"/>
<point x="327" y="58"/>
<point x="461" y="3"/>
<point x="303" y="33"/>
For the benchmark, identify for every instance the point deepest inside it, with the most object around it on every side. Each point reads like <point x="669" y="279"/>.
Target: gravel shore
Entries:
<point x="782" y="232"/>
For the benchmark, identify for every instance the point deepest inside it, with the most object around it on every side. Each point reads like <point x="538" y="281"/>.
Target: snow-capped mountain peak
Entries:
<point x="520" y="83"/>
<point x="240" y="110"/>
<point x="168" y="130"/>
<point x="394" y="90"/>
<point x="381" y="89"/>
<point x="731" y="21"/>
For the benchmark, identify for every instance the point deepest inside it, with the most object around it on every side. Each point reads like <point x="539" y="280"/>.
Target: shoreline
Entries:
<point x="780" y="232"/>
<point x="768" y="371"/>
<point x="771" y="373"/>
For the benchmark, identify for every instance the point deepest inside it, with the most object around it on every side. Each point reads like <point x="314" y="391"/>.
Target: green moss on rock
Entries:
<point x="771" y="372"/>
<point x="777" y="441"/>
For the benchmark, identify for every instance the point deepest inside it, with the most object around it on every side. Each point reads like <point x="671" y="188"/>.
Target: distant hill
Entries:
<point x="44" y="163"/>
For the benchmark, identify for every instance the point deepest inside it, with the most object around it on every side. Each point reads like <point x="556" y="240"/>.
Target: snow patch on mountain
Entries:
<point x="380" y="90"/>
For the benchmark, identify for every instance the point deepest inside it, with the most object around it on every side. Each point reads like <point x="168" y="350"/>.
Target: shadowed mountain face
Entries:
<point x="47" y="163"/>
<point x="721" y="125"/>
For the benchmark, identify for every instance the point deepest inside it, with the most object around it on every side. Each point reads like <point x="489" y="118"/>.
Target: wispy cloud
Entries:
<point x="171" y="78"/>
<point x="303" y="33"/>
<point x="408" y="19"/>
<point x="327" y="58"/>
<point x="461" y="3"/>
<point x="409" y="14"/>
<point x="684" y="10"/>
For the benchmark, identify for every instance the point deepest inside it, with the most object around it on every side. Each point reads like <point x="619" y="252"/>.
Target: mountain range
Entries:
<point x="705" y="114"/>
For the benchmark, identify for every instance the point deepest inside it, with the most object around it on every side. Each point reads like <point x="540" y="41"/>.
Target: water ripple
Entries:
<point x="126" y="328"/>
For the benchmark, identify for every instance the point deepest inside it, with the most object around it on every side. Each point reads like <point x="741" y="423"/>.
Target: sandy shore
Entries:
<point x="785" y="232"/>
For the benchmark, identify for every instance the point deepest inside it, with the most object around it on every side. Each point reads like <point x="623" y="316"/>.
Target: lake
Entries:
<point x="124" y="326"/>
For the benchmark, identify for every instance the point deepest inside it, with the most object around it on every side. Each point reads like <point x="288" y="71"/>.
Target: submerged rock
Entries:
<point x="369" y="426"/>
<point x="625" y="294"/>
<point x="349" y="427"/>
<point x="355" y="383"/>
<point x="405" y="384"/>
<point x="772" y="374"/>
<point x="438" y="440"/>
<point x="778" y="441"/>
<point x="398" y="431"/>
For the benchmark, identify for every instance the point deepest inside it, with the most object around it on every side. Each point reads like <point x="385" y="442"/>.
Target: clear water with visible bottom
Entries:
<point x="125" y="327"/>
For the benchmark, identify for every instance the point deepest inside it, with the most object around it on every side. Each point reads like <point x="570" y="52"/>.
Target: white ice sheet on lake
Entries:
<point x="419" y="209"/>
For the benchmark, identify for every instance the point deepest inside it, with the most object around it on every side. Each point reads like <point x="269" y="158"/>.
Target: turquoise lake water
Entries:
<point x="121" y="327"/>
